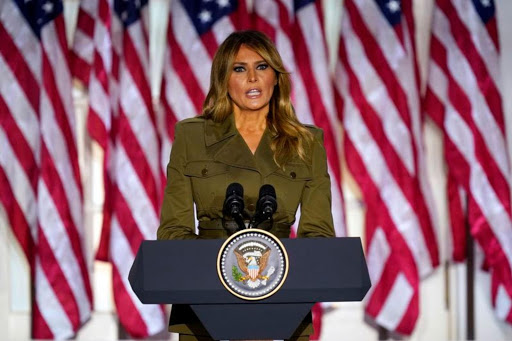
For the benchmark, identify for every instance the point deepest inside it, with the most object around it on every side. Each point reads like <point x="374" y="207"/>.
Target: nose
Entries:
<point x="252" y="75"/>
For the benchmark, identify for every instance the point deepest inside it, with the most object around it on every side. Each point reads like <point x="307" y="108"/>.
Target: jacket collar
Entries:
<point x="234" y="151"/>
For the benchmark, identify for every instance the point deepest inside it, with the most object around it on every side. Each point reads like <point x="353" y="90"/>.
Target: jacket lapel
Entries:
<point x="233" y="151"/>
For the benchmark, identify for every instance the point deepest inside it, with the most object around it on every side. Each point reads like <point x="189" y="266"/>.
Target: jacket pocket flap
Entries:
<point x="295" y="172"/>
<point x="205" y="169"/>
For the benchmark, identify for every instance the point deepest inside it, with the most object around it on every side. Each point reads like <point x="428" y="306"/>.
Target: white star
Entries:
<point x="48" y="7"/>
<point x="205" y="16"/>
<point x="124" y="15"/>
<point x="137" y="3"/>
<point x="27" y="1"/>
<point x="485" y="3"/>
<point x="393" y="6"/>
<point x="223" y="3"/>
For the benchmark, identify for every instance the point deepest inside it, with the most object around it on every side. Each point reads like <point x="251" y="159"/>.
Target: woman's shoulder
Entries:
<point x="191" y="124"/>
<point x="317" y="132"/>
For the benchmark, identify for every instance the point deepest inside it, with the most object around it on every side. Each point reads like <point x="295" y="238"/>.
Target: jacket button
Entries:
<point x="251" y="207"/>
<point x="293" y="175"/>
<point x="204" y="172"/>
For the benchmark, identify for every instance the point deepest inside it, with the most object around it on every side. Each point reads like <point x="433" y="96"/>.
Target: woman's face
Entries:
<point x="251" y="83"/>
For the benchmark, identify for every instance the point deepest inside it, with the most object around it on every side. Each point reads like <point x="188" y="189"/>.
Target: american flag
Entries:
<point x="463" y="98"/>
<point x="122" y="120"/>
<point x="196" y="28"/>
<point x="376" y="78"/>
<point x="39" y="174"/>
<point x="296" y="27"/>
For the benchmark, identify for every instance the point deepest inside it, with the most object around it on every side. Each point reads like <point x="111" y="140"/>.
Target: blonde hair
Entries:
<point x="289" y="136"/>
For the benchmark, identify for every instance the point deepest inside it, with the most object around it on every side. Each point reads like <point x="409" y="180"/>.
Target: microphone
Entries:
<point x="266" y="205"/>
<point x="234" y="204"/>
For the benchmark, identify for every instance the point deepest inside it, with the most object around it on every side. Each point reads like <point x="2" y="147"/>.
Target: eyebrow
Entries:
<point x="244" y="63"/>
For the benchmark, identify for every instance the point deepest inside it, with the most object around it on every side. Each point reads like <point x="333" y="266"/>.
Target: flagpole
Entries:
<point x="470" y="283"/>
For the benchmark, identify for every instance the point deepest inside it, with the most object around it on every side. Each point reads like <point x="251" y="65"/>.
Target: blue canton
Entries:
<point x="128" y="11"/>
<point x="391" y="9"/>
<point x="205" y="13"/>
<point x="485" y="9"/>
<point x="39" y="12"/>
<point x="298" y="4"/>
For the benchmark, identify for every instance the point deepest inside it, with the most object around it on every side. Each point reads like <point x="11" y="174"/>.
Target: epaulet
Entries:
<point x="314" y="129"/>
<point x="197" y="119"/>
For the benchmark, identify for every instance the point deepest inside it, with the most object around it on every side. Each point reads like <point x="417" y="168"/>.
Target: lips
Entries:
<point x="253" y="92"/>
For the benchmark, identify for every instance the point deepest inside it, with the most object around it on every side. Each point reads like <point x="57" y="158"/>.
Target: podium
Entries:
<point x="185" y="272"/>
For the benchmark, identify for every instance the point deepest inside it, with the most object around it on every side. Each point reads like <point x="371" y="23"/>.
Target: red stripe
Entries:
<point x="457" y="219"/>
<point x="61" y="117"/>
<point x="58" y="282"/>
<point x="40" y="329"/>
<point x="465" y="43"/>
<point x="85" y="23"/>
<point x="138" y="73"/>
<point x="184" y="72"/>
<point x="209" y="42"/>
<point x="96" y="129"/>
<point x="57" y="191"/>
<point x="16" y="218"/>
<point x="80" y="68"/>
<point x="19" y="67"/>
<point x="19" y="145"/>
<point x="127" y="224"/>
<point x="127" y="311"/>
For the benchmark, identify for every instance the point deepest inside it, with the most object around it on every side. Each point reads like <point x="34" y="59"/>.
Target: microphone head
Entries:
<point x="235" y="188"/>
<point x="267" y="189"/>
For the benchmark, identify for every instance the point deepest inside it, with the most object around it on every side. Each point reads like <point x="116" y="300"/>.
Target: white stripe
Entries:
<point x="19" y="107"/>
<point x="59" y="153"/>
<point x="175" y="93"/>
<point x="190" y="45"/>
<point x="50" y="307"/>
<point x="503" y="303"/>
<point x="58" y="239"/>
<point x="437" y="82"/>
<point x="377" y="96"/>
<point x="60" y="70"/>
<point x="122" y="258"/>
<point x="99" y="101"/>
<point x="136" y="33"/>
<point x="138" y="115"/>
<point x="268" y="11"/>
<point x="480" y="37"/>
<point x="23" y="36"/>
<point x="83" y="47"/>
<point x="481" y="189"/>
<point x="400" y="210"/>
<point x="135" y="195"/>
<point x="19" y="184"/>
<point x="462" y="73"/>
<point x="312" y="31"/>
<point x="396" y="303"/>
<point x="90" y="7"/>
<point x="377" y="257"/>
<point x="103" y="44"/>
<point x="222" y="29"/>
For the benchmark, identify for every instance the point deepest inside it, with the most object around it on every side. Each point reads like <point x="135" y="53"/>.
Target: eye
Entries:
<point x="238" y="69"/>
<point x="262" y="66"/>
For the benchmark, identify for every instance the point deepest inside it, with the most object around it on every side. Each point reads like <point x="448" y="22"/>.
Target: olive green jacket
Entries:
<point x="206" y="157"/>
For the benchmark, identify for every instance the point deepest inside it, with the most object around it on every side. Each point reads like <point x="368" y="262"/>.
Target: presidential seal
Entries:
<point x="252" y="264"/>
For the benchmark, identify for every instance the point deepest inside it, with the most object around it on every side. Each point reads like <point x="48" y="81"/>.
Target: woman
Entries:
<point x="248" y="133"/>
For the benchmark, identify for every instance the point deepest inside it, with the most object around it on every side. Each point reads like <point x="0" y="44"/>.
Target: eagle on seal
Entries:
<point x="253" y="264"/>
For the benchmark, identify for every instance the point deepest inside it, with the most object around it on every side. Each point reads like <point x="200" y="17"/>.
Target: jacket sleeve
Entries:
<point x="316" y="216"/>
<point x="177" y="215"/>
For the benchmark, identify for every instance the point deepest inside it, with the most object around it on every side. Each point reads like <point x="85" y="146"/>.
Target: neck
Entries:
<point x="251" y="122"/>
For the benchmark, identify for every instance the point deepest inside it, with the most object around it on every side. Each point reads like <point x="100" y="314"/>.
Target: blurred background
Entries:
<point x="442" y="295"/>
